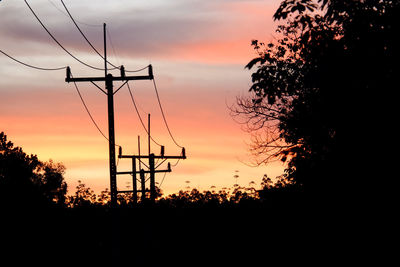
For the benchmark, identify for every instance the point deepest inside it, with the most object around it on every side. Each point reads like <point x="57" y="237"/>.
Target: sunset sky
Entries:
<point x="198" y="49"/>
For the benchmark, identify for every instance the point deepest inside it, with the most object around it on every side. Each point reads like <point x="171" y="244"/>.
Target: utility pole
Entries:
<point x="134" y="181"/>
<point x="152" y="171"/>
<point x="109" y="79"/>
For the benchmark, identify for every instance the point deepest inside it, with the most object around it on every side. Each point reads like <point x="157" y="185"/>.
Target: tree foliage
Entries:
<point x="237" y="196"/>
<point x="320" y="88"/>
<point x="27" y="181"/>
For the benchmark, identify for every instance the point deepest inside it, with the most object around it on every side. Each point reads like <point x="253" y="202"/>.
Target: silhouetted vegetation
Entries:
<point x="26" y="182"/>
<point x="320" y="90"/>
<point x="48" y="227"/>
<point x="238" y="196"/>
<point x="317" y="93"/>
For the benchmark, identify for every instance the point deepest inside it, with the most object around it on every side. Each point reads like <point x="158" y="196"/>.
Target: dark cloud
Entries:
<point x="133" y="29"/>
<point x="138" y="29"/>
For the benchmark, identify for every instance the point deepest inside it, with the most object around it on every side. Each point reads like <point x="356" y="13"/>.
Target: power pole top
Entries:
<point x="162" y="156"/>
<point x="110" y="77"/>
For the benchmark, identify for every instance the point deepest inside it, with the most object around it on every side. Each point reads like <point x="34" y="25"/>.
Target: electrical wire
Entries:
<point x="80" y="22"/>
<point x="176" y="163"/>
<point x="163" y="114"/>
<point x="59" y="44"/>
<point x="90" y="115"/>
<point x="140" y="117"/>
<point x="84" y="36"/>
<point x="91" y="45"/>
<point x="138" y="69"/>
<point x="30" y="66"/>
<point x="112" y="46"/>
<point x="159" y="186"/>
<point x="87" y="110"/>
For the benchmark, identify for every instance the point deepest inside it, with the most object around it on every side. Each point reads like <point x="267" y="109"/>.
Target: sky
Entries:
<point x="198" y="50"/>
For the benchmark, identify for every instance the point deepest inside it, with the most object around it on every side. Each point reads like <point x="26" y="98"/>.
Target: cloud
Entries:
<point x="182" y="30"/>
<point x="198" y="49"/>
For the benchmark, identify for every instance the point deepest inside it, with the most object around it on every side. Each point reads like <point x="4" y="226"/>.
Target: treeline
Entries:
<point x="43" y="225"/>
<point x="27" y="182"/>
<point x="238" y="196"/>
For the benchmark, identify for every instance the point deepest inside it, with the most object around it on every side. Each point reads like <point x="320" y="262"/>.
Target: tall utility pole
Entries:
<point x="109" y="79"/>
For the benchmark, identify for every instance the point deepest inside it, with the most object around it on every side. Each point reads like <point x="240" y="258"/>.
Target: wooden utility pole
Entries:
<point x="152" y="171"/>
<point x="151" y="168"/>
<point x="134" y="181"/>
<point x="109" y="79"/>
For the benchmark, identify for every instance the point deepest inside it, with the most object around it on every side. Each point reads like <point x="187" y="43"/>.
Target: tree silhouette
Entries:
<point x="25" y="181"/>
<point x="318" y="90"/>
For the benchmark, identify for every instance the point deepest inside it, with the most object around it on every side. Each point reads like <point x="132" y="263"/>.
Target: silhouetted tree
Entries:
<point x="319" y="91"/>
<point x="84" y="197"/>
<point x="26" y="181"/>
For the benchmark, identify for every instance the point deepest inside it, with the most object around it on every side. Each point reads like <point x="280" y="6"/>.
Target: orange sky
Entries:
<point x="198" y="50"/>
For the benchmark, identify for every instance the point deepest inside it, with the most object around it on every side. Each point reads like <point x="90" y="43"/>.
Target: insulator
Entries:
<point x="68" y="74"/>
<point x="122" y="69"/>
<point x="151" y="71"/>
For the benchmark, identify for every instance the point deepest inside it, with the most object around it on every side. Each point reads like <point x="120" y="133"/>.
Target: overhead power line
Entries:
<point x="160" y="184"/>
<point x="138" y="69"/>
<point x="80" y="22"/>
<point x="87" y="110"/>
<point x="112" y="46"/>
<point x="30" y="66"/>
<point x="140" y="117"/>
<point x="84" y="36"/>
<point x="163" y="115"/>
<point x="91" y="45"/>
<point x="55" y="40"/>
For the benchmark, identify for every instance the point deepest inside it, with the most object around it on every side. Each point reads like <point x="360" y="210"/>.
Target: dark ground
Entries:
<point x="155" y="236"/>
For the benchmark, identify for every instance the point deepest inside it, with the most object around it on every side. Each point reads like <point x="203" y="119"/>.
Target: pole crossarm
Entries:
<point x="131" y="191"/>
<point x="109" y="76"/>
<point x="138" y="172"/>
<point x="147" y="156"/>
<point x="162" y="156"/>
<point x="98" y="79"/>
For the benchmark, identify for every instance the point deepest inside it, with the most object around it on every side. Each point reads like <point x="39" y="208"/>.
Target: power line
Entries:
<point x="84" y="36"/>
<point x="116" y="56"/>
<point x="159" y="186"/>
<point x="87" y="110"/>
<point x="112" y="46"/>
<point x="80" y="22"/>
<point x="30" y="66"/>
<point x="138" y="69"/>
<point x="140" y="117"/>
<point x="163" y="115"/>
<point x="55" y="40"/>
<point x="176" y="163"/>
<point x="91" y="45"/>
